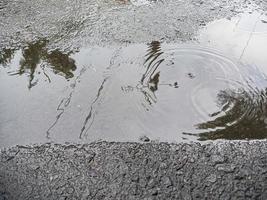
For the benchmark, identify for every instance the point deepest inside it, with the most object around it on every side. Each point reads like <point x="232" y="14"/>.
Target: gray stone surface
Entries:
<point x="102" y="170"/>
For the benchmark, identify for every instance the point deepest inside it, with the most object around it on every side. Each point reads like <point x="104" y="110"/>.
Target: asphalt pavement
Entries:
<point x="102" y="170"/>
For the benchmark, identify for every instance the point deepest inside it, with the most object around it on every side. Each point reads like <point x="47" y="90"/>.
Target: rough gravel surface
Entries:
<point x="224" y="170"/>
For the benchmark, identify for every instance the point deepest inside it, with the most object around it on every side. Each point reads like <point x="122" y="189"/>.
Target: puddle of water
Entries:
<point x="244" y="37"/>
<point x="168" y="92"/>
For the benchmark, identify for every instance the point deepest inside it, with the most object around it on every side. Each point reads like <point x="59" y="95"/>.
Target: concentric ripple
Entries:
<point x="228" y="98"/>
<point x="169" y="92"/>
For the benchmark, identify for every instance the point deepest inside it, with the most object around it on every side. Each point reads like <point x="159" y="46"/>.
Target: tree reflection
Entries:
<point x="150" y="79"/>
<point x="61" y="63"/>
<point x="152" y="61"/>
<point x="31" y="58"/>
<point x="36" y="55"/>
<point x="243" y="115"/>
<point x="6" y="56"/>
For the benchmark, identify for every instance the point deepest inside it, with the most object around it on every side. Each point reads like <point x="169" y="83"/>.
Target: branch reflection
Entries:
<point x="243" y="115"/>
<point x="150" y="79"/>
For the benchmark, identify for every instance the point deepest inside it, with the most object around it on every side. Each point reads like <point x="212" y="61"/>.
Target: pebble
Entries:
<point x="144" y="139"/>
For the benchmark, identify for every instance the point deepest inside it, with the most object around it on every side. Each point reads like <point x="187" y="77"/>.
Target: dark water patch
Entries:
<point x="6" y="56"/>
<point x="245" y="119"/>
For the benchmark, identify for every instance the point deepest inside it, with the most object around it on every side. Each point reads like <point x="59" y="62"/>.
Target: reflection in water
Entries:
<point x="227" y="100"/>
<point x="36" y="55"/>
<point x="64" y="103"/>
<point x="218" y="97"/>
<point x="243" y="37"/>
<point x="92" y="113"/>
<point x="6" y="56"/>
<point x="152" y="61"/>
<point x="93" y="107"/>
<point x="150" y="79"/>
<point x="61" y="63"/>
<point x="153" y="82"/>
<point x="243" y="115"/>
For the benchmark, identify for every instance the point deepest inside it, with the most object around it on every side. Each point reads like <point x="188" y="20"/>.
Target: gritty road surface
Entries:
<point x="72" y="24"/>
<point x="225" y="170"/>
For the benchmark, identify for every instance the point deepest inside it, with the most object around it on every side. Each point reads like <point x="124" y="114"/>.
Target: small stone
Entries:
<point x="212" y="178"/>
<point x="163" y="165"/>
<point x="34" y="167"/>
<point x="179" y="172"/>
<point x="155" y="192"/>
<point x="135" y="178"/>
<point x="239" y="177"/>
<point x="191" y="160"/>
<point x="166" y="181"/>
<point x="151" y="182"/>
<point x="226" y="168"/>
<point x="216" y="159"/>
<point x="186" y="194"/>
<point x="144" y="139"/>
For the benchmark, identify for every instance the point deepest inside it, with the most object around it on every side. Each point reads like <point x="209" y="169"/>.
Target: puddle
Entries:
<point x="167" y="92"/>
<point x="244" y="37"/>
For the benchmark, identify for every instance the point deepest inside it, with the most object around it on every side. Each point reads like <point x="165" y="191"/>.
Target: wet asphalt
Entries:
<point x="102" y="170"/>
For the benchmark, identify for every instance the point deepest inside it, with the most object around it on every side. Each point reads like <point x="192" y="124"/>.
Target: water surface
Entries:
<point x="167" y="92"/>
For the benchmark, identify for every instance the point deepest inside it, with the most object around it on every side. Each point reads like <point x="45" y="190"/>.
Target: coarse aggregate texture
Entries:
<point x="104" y="170"/>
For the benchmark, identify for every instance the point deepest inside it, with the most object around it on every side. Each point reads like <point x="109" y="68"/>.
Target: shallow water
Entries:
<point x="243" y="37"/>
<point x="207" y="89"/>
<point x="168" y="92"/>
